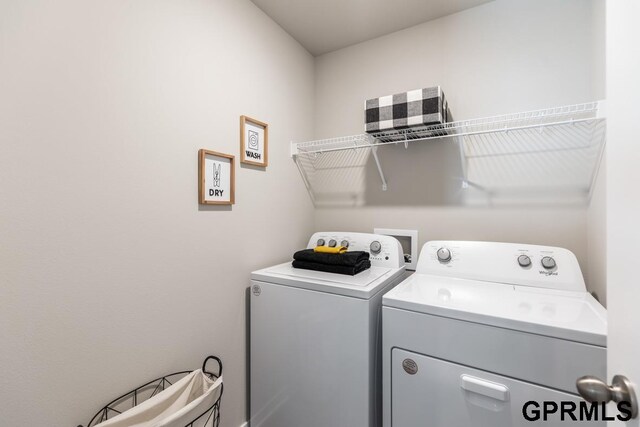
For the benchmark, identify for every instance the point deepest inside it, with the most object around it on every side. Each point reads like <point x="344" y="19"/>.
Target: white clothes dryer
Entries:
<point x="483" y="328"/>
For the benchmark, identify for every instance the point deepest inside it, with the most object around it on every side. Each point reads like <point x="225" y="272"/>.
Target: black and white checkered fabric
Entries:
<point x="421" y="107"/>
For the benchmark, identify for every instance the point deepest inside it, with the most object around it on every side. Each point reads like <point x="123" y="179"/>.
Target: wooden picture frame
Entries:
<point x="216" y="178"/>
<point x="254" y="142"/>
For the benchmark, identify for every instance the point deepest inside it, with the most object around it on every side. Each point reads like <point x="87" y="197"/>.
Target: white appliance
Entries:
<point x="315" y="338"/>
<point x="482" y="328"/>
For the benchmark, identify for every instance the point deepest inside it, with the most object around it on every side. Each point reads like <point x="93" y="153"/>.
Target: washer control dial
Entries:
<point x="344" y="243"/>
<point x="320" y="242"/>
<point x="548" y="262"/>
<point x="444" y="255"/>
<point x="375" y="247"/>
<point x="524" y="261"/>
<point x="332" y="243"/>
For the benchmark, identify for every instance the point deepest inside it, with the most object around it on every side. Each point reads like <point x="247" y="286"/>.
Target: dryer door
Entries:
<point x="435" y="393"/>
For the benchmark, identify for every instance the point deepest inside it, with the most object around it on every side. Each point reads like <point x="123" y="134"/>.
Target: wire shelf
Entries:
<point x="542" y="151"/>
<point x="504" y="123"/>
<point x="334" y="144"/>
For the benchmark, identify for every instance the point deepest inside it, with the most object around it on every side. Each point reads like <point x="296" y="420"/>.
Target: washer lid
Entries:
<point x="361" y="285"/>
<point x="569" y="315"/>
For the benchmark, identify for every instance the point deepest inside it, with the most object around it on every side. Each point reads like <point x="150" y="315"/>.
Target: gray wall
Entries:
<point x="501" y="57"/>
<point x="110" y="271"/>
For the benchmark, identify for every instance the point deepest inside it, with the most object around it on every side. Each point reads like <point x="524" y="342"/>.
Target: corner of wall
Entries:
<point x="597" y="235"/>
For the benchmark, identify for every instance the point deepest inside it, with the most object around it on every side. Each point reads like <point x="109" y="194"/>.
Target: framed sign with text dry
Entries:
<point x="216" y="178"/>
<point x="254" y="142"/>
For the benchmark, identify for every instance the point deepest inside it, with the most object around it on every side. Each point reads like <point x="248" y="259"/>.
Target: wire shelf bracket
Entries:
<point x="374" y="151"/>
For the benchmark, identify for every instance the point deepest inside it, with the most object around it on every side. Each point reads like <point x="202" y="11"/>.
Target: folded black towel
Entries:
<point x="351" y="270"/>
<point x="347" y="259"/>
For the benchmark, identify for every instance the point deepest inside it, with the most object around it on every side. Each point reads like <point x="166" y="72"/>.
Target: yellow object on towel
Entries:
<point x="328" y="250"/>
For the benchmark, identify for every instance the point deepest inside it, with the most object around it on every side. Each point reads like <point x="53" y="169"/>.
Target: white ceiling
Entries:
<point x="322" y="26"/>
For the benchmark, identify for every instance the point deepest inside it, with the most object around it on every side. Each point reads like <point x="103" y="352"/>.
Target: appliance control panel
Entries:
<point x="511" y="263"/>
<point x="384" y="251"/>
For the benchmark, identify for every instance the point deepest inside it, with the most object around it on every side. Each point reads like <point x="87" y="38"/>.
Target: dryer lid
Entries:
<point x="569" y="315"/>
<point x="362" y="279"/>
<point x="362" y="285"/>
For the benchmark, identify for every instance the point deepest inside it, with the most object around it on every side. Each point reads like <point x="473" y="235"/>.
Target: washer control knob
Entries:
<point x="444" y="255"/>
<point x="332" y="243"/>
<point x="524" y="261"/>
<point x="344" y="243"/>
<point x="548" y="262"/>
<point x="375" y="247"/>
<point x="320" y="242"/>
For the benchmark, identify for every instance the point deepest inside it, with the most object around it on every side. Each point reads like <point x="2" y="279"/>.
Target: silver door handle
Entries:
<point x="593" y="389"/>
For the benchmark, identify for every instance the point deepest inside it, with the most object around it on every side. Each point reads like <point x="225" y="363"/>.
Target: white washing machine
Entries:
<point x="482" y="328"/>
<point x="315" y="338"/>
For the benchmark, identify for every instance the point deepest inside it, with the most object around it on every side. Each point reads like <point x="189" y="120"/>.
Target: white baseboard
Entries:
<point x="244" y="425"/>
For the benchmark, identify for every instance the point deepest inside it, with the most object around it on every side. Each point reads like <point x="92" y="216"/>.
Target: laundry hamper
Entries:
<point x="181" y="399"/>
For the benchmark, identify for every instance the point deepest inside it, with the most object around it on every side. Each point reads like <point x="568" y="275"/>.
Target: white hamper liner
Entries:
<point x="176" y="406"/>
